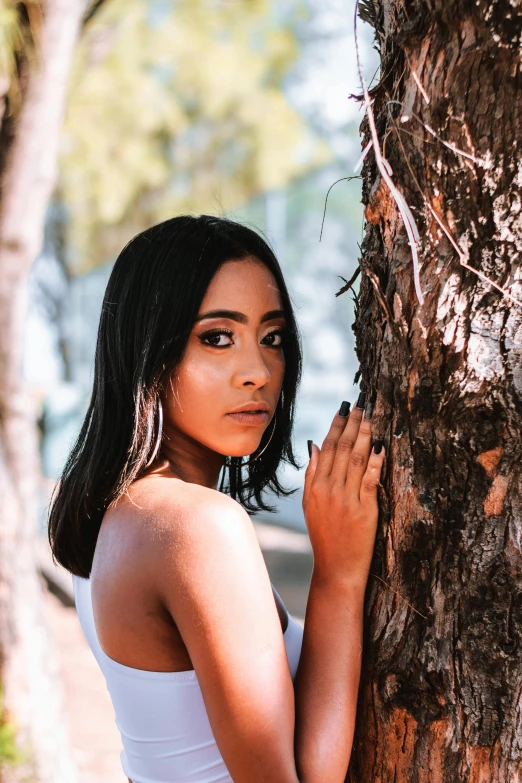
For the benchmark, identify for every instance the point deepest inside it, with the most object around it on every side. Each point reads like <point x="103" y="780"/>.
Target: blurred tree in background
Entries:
<point x="178" y="107"/>
<point x="173" y="106"/>
<point x="38" y="41"/>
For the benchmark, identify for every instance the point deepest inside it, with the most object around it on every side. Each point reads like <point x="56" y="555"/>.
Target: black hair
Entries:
<point x="150" y="305"/>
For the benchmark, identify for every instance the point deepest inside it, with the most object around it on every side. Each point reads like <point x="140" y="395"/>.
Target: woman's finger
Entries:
<point x="358" y="460"/>
<point x="329" y="445"/>
<point x="310" y="472"/>
<point x="345" y="446"/>
<point x="372" y="474"/>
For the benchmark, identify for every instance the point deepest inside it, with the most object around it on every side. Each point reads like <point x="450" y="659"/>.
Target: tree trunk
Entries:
<point x="33" y="696"/>
<point x="441" y="688"/>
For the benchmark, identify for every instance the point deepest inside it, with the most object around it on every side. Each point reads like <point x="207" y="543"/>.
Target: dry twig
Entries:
<point x="444" y="228"/>
<point x="430" y="130"/>
<point x="386" y="172"/>
<point x="400" y="596"/>
<point x="349" y="283"/>
<point x="348" y="179"/>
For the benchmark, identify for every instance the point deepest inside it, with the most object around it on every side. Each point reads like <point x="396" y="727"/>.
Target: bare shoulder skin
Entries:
<point x="161" y="524"/>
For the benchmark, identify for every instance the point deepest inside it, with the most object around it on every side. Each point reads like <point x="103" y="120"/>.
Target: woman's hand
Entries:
<point x="340" y="499"/>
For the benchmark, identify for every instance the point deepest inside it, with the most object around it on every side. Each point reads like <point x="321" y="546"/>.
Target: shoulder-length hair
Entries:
<point x="150" y="305"/>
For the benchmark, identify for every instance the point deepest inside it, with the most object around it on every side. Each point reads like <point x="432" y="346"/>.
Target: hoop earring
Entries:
<point x="158" y="438"/>
<point x="253" y="459"/>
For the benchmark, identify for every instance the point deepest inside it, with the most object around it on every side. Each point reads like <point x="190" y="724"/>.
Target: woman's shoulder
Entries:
<point x="162" y="507"/>
<point x="165" y="525"/>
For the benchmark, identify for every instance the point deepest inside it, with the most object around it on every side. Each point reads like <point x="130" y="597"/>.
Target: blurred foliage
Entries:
<point x="21" y="23"/>
<point x="19" y="28"/>
<point x="178" y="107"/>
<point x="9" y="753"/>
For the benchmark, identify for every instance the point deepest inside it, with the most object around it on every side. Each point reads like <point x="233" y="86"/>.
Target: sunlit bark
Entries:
<point x="442" y="681"/>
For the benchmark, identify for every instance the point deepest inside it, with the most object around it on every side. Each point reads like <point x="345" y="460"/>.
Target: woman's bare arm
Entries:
<point x="327" y="680"/>
<point x="211" y="576"/>
<point x="343" y="477"/>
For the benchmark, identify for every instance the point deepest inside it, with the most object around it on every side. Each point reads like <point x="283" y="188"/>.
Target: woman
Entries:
<point x="197" y="365"/>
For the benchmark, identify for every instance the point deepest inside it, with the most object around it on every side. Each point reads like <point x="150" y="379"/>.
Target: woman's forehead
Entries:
<point x="246" y="283"/>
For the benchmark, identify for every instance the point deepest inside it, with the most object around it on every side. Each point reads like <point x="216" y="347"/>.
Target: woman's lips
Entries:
<point x="250" y="417"/>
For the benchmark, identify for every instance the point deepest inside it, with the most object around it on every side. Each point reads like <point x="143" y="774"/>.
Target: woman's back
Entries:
<point x="157" y="515"/>
<point x="161" y="716"/>
<point x="158" y="547"/>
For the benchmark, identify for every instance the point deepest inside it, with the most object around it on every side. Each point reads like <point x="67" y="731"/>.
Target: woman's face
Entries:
<point x="233" y="358"/>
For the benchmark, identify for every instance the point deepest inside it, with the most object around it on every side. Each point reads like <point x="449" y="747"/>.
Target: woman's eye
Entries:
<point x="275" y="339"/>
<point x="218" y="339"/>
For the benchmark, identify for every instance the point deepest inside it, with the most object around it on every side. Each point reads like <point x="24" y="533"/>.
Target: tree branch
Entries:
<point x="92" y="11"/>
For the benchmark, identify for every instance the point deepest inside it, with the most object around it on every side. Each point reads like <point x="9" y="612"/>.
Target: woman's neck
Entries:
<point x="185" y="458"/>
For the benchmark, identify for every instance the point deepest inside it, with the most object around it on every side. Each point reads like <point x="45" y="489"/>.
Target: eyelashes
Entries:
<point x="213" y="336"/>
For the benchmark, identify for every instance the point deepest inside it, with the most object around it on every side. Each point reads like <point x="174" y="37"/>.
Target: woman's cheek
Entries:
<point x="277" y="368"/>
<point x="199" y="380"/>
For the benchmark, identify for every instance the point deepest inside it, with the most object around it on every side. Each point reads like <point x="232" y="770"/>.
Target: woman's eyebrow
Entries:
<point x="235" y="315"/>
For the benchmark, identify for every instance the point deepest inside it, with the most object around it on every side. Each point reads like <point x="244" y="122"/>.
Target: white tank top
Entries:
<point x="161" y="716"/>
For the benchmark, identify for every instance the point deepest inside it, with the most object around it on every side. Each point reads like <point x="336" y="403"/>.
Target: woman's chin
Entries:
<point x="247" y="452"/>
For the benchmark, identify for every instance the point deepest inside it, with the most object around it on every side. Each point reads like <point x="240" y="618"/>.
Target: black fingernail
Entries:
<point x="377" y="446"/>
<point x="344" y="410"/>
<point x="368" y="410"/>
<point x="309" y="442"/>
<point x="361" y="400"/>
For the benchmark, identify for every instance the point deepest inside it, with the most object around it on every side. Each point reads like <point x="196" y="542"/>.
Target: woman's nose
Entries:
<point x="251" y="369"/>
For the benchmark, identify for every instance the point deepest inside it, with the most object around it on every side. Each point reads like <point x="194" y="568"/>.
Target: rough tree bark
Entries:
<point x="28" y="155"/>
<point x="441" y="691"/>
